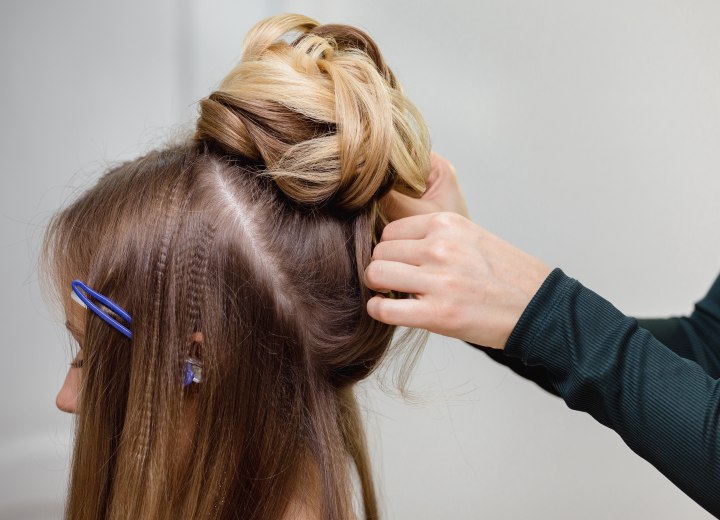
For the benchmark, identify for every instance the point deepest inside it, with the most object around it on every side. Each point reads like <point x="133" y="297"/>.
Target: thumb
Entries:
<point x="396" y="205"/>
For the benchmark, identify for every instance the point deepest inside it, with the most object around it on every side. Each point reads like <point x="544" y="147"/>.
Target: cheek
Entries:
<point x="66" y="399"/>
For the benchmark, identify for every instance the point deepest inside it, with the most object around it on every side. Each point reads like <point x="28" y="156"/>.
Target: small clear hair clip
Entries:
<point x="193" y="371"/>
<point x="81" y="293"/>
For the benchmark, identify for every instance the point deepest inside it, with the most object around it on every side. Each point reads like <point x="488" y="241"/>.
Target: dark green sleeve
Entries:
<point x="694" y="337"/>
<point x="666" y="408"/>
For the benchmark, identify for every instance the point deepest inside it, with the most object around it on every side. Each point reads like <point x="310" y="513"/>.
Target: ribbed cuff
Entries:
<point x="537" y="315"/>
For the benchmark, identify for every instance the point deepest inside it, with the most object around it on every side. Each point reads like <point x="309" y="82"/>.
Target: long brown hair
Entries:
<point x="255" y="233"/>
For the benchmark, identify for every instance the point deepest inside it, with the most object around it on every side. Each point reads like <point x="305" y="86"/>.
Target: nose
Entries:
<point x="66" y="399"/>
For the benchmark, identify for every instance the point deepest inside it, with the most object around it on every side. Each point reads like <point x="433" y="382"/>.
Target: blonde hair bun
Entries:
<point x="318" y="107"/>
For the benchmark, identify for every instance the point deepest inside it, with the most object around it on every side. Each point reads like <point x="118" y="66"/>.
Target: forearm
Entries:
<point x="663" y="406"/>
<point x="695" y="337"/>
<point x="677" y="333"/>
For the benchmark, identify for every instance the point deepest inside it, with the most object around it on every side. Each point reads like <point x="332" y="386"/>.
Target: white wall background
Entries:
<point x="584" y="132"/>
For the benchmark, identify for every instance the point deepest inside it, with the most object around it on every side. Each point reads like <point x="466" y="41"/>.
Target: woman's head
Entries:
<point x="243" y="247"/>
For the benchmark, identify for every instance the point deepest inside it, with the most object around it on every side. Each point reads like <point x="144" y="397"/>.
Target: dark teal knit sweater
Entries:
<point x="655" y="382"/>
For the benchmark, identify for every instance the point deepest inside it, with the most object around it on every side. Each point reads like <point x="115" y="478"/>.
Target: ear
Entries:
<point x="197" y="339"/>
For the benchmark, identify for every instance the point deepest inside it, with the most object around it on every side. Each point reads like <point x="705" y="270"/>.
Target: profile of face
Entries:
<point x="67" y="397"/>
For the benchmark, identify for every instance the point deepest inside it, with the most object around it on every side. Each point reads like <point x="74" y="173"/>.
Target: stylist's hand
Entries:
<point x="466" y="282"/>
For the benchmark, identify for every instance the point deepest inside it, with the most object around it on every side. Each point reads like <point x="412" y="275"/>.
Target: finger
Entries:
<point x="397" y="205"/>
<point x="405" y="251"/>
<point x="408" y="228"/>
<point x="442" y="173"/>
<point x="405" y="312"/>
<point x="441" y="161"/>
<point x="383" y="275"/>
<point x="435" y="166"/>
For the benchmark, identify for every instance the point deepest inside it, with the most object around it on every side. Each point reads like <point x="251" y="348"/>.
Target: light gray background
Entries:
<point x="584" y="132"/>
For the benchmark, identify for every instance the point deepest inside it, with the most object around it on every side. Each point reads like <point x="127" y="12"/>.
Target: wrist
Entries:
<point x="534" y="317"/>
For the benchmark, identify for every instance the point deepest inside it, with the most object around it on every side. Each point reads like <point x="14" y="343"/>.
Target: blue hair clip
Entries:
<point x="193" y="366"/>
<point x="80" y="289"/>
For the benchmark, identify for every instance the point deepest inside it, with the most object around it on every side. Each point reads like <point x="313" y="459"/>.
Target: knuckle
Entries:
<point x="436" y="221"/>
<point x="443" y="220"/>
<point x="440" y="249"/>
<point x="446" y="223"/>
